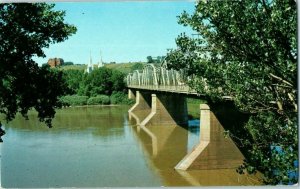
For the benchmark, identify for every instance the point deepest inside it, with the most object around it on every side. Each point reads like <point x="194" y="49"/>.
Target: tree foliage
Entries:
<point x="158" y="59"/>
<point x="68" y="63"/>
<point x="120" y="98"/>
<point x="103" y="81"/>
<point x="74" y="100"/>
<point x="248" y="50"/>
<point x="100" y="99"/>
<point x="73" y="78"/>
<point x="25" y="29"/>
<point x="149" y="59"/>
<point x="137" y="66"/>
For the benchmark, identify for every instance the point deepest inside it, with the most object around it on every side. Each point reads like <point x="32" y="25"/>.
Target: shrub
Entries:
<point x="74" y="100"/>
<point x="120" y="98"/>
<point x="100" y="99"/>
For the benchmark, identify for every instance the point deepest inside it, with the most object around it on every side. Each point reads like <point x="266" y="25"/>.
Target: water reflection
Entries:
<point x="166" y="145"/>
<point x="193" y="134"/>
<point x="87" y="147"/>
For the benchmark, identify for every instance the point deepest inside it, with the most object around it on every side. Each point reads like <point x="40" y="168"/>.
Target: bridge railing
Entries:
<point x="159" y="78"/>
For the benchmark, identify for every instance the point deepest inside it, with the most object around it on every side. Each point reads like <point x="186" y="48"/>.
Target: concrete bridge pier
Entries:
<point x="131" y="94"/>
<point x="160" y="108"/>
<point x="167" y="109"/>
<point x="142" y="101"/>
<point x="214" y="151"/>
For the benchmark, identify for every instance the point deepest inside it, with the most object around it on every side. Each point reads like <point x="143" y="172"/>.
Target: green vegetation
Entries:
<point x="194" y="107"/>
<point x="81" y="67"/>
<point x="100" y="99"/>
<point x="126" y="67"/>
<point x="68" y="63"/>
<point x="107" y="81"/>
<point x="25" y="30"/>
<point x="101" y="86"/>
<point x="74" y="100"/>
<point x="122" y="67"/>
<point x="248" y="50"/>
<point x="120" y="98"/>
<point x="102" y="81"/>
<point x="158" y="59"/>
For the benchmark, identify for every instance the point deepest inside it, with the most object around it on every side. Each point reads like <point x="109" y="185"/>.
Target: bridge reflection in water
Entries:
<point x="166" y="145"/>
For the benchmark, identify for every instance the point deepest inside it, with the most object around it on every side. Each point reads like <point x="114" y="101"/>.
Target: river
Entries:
<point x="101" y="147"/>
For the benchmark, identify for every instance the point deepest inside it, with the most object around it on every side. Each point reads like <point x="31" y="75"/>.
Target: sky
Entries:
<point x="119" y="31"/>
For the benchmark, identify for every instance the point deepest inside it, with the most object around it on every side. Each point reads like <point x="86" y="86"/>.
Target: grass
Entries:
<point x="123" y="67"/>
<point x="73" y="67"/>
<point x="193" y="107"/>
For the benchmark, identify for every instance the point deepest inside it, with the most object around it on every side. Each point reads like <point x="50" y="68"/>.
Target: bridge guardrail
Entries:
<point x="175" y="89"/>
<point x="160" y="79"/>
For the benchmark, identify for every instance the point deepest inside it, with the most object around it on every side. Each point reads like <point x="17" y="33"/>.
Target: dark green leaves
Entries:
<point x="25" y="29"/>
<point x="247" y="50"/>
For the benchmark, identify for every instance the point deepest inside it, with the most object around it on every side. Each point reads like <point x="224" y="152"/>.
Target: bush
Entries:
<point x="120" y="98"/>
<point x="100" y="99"/>
<point x="74" y="100"/>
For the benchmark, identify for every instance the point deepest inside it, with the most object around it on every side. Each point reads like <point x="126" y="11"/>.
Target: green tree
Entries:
<point x="117" y="79"/>
<point x="98" y="82"/>
<point x="73" y="78"/>
<point x="248" y="50"/>
<point x="150" y="59"/>
<point x="160" y="59"/>
<point x="137" y="66"/>
<point x="68" y="63"/>
<point x="25" y="30"/>
<point x="101" y="81"/>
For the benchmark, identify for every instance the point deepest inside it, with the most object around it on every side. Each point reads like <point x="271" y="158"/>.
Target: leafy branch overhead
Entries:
<point x="25" y="29"/>
<point x="248" y="50"/>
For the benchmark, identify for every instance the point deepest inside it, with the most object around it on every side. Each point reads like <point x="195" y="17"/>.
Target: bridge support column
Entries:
<point x="131" y="94"/>
<point x="167" y="109"/>
<point x="214" y="150"/>
<point x="142" y="102"/>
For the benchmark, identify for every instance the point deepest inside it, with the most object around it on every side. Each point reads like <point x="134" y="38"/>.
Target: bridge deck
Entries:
<point x="171" y="89"/>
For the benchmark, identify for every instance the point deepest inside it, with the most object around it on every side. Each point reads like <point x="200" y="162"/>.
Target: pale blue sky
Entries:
<point x="123" y="31"/>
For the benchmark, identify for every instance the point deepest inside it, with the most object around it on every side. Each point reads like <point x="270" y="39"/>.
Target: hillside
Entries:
<point x="122" y="67"/>
<point x="126" y="67"/>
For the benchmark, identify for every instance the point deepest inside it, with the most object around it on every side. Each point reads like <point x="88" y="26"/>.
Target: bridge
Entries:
<point x="160" y="79"/>
<point x="160" y="94"/>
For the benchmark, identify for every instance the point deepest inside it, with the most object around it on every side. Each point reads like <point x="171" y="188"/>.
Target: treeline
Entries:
<point x="101" y="86"/>
<point x="158" y="59"/>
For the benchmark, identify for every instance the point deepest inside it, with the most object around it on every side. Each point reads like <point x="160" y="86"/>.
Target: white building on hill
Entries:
<point x="100" y="63"/>
<point x="90" y="66"/>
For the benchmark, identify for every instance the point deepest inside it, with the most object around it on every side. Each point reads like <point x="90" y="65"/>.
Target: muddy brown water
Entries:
<point x="102" y="147"/>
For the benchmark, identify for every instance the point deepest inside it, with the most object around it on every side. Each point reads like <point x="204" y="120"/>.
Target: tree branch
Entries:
<point x="280" y="79"/>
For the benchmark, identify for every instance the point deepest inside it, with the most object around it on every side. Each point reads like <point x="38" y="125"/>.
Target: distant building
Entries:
<point x="90" y="66"/>
<point x="53" y="62"/>
<point x="100" y="63"/>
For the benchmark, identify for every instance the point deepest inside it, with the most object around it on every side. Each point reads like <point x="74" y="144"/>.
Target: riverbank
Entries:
<point x="97" y="105"/>
<point x="114" y="98"/>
